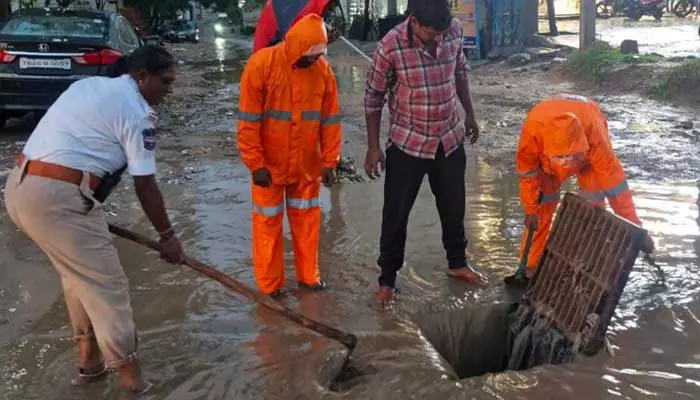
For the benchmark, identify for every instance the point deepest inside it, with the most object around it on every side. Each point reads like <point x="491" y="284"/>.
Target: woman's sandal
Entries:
<point x="90" y="375"/>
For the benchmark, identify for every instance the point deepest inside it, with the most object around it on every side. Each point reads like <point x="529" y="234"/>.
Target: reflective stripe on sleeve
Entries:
<point x="330" y="120"/>
<point x="549" y="198"/>
<point x="617" y="190"/>
<point x="595" y="197"/>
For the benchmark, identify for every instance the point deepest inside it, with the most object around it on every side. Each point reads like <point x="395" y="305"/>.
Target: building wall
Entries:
<point x="356" y="7"/>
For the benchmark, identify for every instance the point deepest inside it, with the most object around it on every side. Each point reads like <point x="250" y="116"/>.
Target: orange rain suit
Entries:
<point x="561" y="125"/>
<point x="288" y="122"/>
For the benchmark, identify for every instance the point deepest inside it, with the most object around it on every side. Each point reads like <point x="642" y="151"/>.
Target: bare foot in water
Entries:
<point x="466" y="274"/>
<point x="131" y="378"/>
<point x="384" y="296"/>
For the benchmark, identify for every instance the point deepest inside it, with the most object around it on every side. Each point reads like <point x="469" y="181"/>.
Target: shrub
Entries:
<point x="600" y="57"/>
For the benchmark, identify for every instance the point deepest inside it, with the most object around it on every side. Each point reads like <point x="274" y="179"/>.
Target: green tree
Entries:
<point x="4" y="8"/>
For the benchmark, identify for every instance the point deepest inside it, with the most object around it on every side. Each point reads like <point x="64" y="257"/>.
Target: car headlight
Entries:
<point x="218" y="28"/>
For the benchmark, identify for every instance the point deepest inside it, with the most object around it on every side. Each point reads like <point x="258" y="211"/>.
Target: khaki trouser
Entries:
<point x="68" y="224"/>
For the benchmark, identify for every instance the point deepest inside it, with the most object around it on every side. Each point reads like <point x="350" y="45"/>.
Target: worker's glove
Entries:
<point x="262" y="178"/>
<point x="648" y="245"/>
<point x="328" y="176"/>
<point x="171" y="249"/>
<point x="532" y="222"/>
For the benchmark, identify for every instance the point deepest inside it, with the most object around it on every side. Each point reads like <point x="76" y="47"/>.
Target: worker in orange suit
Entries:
<point x="289" y="138"/>
<point x="563" y="136"/>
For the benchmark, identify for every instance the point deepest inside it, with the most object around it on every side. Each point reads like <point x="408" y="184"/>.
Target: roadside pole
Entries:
<point x="587" y="23"/>
<point x="392" y="7"/>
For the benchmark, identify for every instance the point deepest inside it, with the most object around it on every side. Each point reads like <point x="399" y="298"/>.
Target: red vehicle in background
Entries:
<point x="275" y="19"/>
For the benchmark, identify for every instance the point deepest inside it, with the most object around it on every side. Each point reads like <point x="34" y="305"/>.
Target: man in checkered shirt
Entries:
<point x="420" y="64"/>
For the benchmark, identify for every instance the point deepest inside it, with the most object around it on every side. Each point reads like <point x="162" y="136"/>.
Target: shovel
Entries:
<point x="347" y="339"/>
<point x="519" y="278"/>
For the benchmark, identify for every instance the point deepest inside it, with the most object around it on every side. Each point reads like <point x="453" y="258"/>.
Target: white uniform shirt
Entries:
<point x="97" y="125"/>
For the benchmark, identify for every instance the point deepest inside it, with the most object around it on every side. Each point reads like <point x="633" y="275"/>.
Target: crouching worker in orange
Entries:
<point x="563" y="136"/>
<point x="289" y="138"/>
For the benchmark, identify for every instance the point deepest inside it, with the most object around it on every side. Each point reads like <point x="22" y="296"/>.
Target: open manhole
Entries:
<point x="566" y="309"/>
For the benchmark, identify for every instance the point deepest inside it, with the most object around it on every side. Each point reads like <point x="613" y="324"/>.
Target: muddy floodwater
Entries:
<point x="670" y="37"/>
<point x="200" y="341"/>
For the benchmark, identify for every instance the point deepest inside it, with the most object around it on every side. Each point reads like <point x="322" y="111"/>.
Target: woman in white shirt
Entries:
<point x="99" y="127"/>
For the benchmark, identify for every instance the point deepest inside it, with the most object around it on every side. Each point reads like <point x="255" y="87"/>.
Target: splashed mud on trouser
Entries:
<point x="71" y="229"/>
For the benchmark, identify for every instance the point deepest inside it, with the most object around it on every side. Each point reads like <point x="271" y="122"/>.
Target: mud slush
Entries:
<point x="347" y="339"/>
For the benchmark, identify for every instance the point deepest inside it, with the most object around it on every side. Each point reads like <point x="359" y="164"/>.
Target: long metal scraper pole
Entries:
<point x="360" y="52"/>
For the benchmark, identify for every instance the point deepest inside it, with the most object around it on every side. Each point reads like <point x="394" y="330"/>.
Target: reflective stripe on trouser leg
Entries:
<point x="304" y="213"/>
<point x="267" y="250"/>
<point x="80" y="247"/>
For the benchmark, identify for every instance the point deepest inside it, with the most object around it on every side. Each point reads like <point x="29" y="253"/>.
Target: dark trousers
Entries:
<point x="402" y="181"/>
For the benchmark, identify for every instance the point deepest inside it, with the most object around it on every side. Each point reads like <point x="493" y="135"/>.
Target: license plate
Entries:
<point x="45" y="63"/>
<point x="181" y="36"/>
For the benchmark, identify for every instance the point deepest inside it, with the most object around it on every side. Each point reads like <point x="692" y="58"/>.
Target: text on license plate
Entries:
<point x="50" y="63"/>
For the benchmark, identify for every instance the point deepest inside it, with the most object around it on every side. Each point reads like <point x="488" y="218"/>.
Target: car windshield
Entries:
<point x="57" y="26"/>
<point x="182" y="25"/>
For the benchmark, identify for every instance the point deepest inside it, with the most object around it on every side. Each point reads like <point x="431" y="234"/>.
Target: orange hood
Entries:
<point x="308" y="32"/>
<point x="565" y="135"/>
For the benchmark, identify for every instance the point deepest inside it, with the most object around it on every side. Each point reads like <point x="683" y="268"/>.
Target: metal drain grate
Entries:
<point x="583" y="271"/>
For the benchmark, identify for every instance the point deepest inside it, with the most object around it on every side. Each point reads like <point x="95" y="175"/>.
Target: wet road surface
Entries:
<point x="199" y="341"/>
<point x="670" y="37"/>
